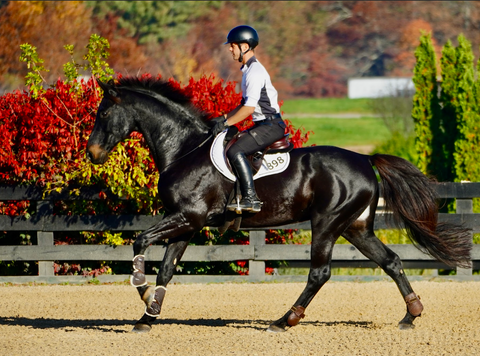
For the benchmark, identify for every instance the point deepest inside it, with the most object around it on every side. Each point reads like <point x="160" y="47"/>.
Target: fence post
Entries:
<point x="45" y="268"/>
<point x="464" y="206"/>
<point x="256" y="269"/>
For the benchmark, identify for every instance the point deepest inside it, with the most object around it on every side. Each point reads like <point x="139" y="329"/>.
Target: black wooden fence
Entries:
<point x="45" y="224"/>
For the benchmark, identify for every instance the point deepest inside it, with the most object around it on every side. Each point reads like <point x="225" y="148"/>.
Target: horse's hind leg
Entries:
<point x="320" y="271"/>
<point x="364" y="239"/>
<point x="153" y="297"/>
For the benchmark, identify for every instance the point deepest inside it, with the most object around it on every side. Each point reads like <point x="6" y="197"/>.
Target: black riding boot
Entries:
<point x="249" y="201"/>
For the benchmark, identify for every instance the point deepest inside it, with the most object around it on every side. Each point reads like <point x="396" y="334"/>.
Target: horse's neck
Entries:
<point x="170" y="137"/>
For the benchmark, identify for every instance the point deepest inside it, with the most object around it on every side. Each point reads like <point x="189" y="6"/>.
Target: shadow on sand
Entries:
<point x="109" y="325"/>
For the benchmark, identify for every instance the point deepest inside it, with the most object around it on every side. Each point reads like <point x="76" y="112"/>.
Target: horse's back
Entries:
<point x="333" y="160"/>
<point x="320" y="179"/>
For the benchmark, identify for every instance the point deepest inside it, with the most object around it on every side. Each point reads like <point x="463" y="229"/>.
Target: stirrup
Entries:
<point x="255" y="205"/>
<point x="252" y="204"/>
<point x="234" y="205"/>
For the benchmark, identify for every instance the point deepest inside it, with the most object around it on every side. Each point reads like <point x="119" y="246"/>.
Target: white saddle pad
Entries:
<point x="272" y="163"/>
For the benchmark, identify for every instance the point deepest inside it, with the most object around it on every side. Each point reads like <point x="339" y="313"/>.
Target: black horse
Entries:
<point x="328" y="186"/>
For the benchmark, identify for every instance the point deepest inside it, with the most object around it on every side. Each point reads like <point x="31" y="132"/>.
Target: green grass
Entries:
<point x="366" y="130"/>
<point x="343" y="132"/>
<point x="326" y="106"/>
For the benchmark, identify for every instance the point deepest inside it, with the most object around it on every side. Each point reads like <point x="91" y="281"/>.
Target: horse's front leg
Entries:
<point x="170" y="227"/>
<point x="153" y="297"/>
<point x="178" y="231"/>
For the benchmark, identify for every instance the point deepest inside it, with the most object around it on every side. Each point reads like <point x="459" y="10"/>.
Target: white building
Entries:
<point x="377" y="87"/>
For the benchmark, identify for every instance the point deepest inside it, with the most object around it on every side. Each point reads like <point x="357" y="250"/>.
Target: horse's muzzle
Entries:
<point x="96" y="154"/>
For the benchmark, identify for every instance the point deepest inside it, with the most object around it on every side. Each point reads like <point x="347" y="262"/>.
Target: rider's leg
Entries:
<point x="243" y="171"/>
<point x="257" y="139"/>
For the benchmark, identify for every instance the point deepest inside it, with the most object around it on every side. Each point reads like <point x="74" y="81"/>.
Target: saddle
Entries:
<point x="281" y="146"/>
<point x="233" y="220"/>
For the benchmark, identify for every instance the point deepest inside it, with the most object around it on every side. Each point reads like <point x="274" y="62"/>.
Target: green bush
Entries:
<point x="396" y="113"/>
<point x="399" y="145"/>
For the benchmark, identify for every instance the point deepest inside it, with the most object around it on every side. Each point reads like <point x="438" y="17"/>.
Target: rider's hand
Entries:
<point x="220" y="125"/>
<point x="232" y="131"/>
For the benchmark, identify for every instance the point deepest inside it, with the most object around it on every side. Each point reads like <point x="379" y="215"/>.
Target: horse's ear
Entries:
<point x="110" y="90"/>
<point x="103" y="85"/>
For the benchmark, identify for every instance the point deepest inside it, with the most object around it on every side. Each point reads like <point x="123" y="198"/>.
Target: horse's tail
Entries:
<point x="409" y="194"/>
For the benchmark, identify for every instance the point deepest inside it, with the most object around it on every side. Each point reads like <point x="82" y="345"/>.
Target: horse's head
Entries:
<point x="113" y="123"/>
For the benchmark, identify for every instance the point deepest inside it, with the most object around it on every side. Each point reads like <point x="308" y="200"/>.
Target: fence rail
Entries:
<point x="45" y="224"/>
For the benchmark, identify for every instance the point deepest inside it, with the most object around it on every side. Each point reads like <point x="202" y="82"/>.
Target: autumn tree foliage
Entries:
<point x="407" y="43"/>
<point x="310" y="47"/>
<point x="373" y="38"/>
<point x="48" y="24"/>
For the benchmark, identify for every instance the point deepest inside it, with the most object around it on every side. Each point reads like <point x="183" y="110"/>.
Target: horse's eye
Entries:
<point x="104" y="114"/>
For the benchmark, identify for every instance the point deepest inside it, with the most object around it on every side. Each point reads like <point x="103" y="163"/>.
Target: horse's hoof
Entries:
<point x="275" y="329"/>
<point x="406" y="326"/>
<point x="407" y="322"/>
<point x="141" y="328"/>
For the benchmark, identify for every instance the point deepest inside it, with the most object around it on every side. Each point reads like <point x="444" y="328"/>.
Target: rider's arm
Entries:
<point x="254" y="82"/>
<point x="239" y="114"/>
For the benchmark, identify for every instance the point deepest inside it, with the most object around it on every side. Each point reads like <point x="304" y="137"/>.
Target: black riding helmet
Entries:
<point x="243" y="34"/>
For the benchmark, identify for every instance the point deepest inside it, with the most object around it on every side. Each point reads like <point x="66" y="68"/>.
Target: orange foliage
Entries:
<point x="310" y="48"/>
<point x="409" y="40"/>
<point x="126" y="54"/>
<point x="47" y="25"/>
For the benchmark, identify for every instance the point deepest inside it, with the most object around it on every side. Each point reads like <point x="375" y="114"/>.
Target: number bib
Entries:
<point x="272" y="163"/>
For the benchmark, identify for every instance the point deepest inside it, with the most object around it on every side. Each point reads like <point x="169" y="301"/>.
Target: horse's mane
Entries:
<point x="167" y="89"/>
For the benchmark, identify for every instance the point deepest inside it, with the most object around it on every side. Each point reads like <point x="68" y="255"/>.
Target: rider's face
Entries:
<point x="235" y="50"/>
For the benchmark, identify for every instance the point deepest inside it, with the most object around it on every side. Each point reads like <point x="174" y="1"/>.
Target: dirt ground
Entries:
<point x="345" y="318"/>
<point x="365" y="149"/>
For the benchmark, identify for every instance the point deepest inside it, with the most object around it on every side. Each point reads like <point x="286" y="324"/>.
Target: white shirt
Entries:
<point x="258" y="91"/>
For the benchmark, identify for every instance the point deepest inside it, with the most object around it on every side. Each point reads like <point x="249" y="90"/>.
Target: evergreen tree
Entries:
<point x="446" y="132"/>
<point x="425" y="100"/>
<point x="448" y="128"/>
<point x="467" y="150"/>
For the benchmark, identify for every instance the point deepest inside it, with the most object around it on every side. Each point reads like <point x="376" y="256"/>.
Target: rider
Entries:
<point x="259" y="99"/>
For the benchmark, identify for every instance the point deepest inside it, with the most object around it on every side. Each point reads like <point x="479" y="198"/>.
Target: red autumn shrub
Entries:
<point x="41" y="136"/>
<point x="43" y="141"/>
